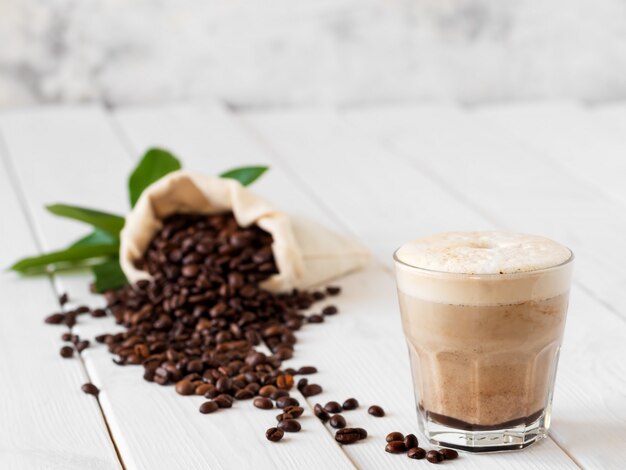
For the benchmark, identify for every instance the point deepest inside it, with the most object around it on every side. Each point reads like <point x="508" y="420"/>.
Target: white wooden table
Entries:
<point x="381" y="175"/>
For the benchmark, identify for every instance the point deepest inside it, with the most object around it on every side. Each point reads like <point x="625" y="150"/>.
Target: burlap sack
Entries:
<point x="306" y="253"/>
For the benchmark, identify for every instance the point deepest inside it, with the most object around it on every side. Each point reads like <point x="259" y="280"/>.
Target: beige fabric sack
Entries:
<point x="306" y="253"/>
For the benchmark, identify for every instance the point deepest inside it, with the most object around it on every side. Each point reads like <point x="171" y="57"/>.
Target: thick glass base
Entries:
<point x="508" y="437"/>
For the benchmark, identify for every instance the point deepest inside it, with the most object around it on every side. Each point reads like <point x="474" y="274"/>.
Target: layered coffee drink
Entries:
<point x="483" y="314"/>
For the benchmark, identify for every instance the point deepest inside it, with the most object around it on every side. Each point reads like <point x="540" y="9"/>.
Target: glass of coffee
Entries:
<point x="483" y="314"/>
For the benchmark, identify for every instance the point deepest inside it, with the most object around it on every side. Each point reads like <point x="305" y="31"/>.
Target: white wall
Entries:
<point x="276" y="52"/>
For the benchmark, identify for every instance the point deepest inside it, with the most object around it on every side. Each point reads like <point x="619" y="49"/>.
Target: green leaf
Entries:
<point x="97" y="237"/>
<point x="155" y="164"/>
<point x="245" y="174"/>
<point x="57" y="259"/>
<point x="106" y="221"/>
<point x="108" y="275"/>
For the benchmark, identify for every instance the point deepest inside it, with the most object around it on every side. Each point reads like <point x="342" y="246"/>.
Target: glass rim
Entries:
<point x="485" y="275"/>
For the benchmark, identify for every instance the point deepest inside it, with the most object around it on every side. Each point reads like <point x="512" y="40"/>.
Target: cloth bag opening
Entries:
<point x="306" y="253"/>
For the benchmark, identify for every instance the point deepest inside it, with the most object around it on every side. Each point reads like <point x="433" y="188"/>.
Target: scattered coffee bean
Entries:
<point x="395" y="436"/>
<point x="90" y="389"/>
<point x="315" y="318"/>
<point x="263" y="403"/>
<point x="294" y="410"/>
<point x="303" y="382"/>
<point x="63" y="298"/>
<point x="411" y="441"/>
<point x="224" y="401"/>
<point x="395" y="447"/>
<point x="267" y="390"/>
<point x="67" y="352"/>
<point x="55" y="319"/>
<point x="416" y="453"/>
<point x="319" y="411"/>
<point x="82" y="309"/>
<point x="305" y="370"/>
<point x="278" y="394"/>
<point x="289" y="425"/>
<point x="337" y="421"/>
<point x="284" y="416"/>
<point x="449" y="454"/>
<point x="350" y="404"/>
<point x="283" y="402"/>
<point x="209" y="407"/>
<point x="244" y="394"/>
<point x="311" y="390"/>
<point x="333" y="290"/>
<point x="274" y="434"/>
<point x="376" y="410"/>
<point x="348" y="435"/>
<point x="434" y="456"/>
<point x="185" y="387"/>
<point x="333" y="407"/>
<point x="82" y="345"/>
<point x="362" y="432"/>
<point x="98" y="313"/>
<point x="67" y="336"/>
<point x="330" y="310"/>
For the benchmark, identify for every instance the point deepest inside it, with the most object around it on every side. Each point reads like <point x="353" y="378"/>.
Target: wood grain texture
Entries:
<point x="46" y="421"/>
<point x="360" y="352"/>
<point x="153" y="427"/>
<point x="407" y="136"/>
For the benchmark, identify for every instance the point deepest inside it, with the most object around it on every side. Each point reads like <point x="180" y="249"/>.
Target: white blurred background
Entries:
<point x="291" y="52"/>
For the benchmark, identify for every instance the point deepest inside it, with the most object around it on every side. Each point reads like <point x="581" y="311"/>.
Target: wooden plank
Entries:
<point x="78" y="158"/>
<point x="500" y="179"/>
<point x="466" y="166"/>
<point x="47" y="421"/>
<point x="360" y="352"/>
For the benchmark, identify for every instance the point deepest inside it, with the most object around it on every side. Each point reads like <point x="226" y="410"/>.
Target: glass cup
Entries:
<point x="483" y="351"/>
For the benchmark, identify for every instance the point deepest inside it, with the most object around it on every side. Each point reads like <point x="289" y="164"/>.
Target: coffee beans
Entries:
<point x="311" y="390"/>
<point x="394" y="436"/>
<point x="449" y="454"/>
<point x="185" y="387"/>
<point x="305" y="370"/>
<point x="434" y="456"/>
<point x="55" y="319"/>
<point x="295" y="411"/>
<point x="196" y="324"/>
<point x="289" y="425"/>
<point x="267" y="390"/>
<point x="333" y="407"/>
<point x="333" y="290"/>
<point x="274" y="434"/>
<point x="416" y="453"/>
<point x="410" y="441"/>
<point x="395" y="447"/>
<point x="263" y="403"/>
<point x="330" y="310"/>
<point x="66" y="352"/>
<point x="209" y="407"/>
<point x="337" y="422"/>
<point x="90" y="389"/>
<point x="350" y="435"/>
<point x="319" y="411"/>
<point x="63" y="298"/>
<point x="283" y="402"/>
<point x="350" y="404"/>
<point x="376" y="410"/>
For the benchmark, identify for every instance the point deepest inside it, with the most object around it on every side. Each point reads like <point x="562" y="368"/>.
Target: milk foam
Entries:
<point x="483" y="252"/>
<point x="483" y="268"/>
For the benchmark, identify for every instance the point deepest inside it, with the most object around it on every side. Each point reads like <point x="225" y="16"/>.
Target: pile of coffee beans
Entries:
<point x="204" y="324"/>
<point x="398" y="443"/>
